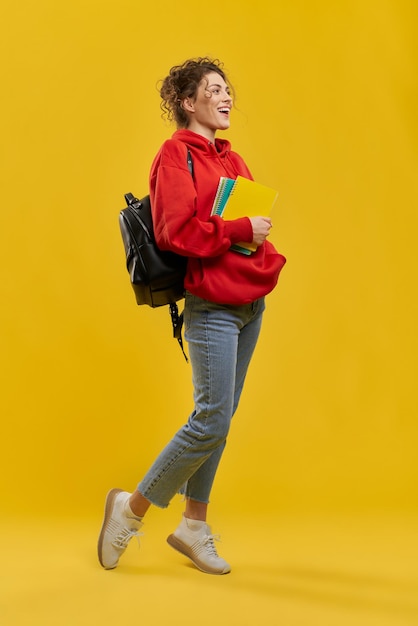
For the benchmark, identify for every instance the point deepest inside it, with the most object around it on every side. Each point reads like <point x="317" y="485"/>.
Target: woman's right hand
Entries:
<point x="261" y="229"/>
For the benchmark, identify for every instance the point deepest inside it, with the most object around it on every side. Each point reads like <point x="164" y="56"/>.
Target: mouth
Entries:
<point x="224" y="111"/>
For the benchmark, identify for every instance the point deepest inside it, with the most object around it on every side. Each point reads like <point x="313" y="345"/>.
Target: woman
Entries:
<point x="224" y="303"/>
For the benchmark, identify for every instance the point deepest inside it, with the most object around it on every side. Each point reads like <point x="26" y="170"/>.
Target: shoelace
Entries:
<point x="123" y="538"/>
<point x="208" y="542"/>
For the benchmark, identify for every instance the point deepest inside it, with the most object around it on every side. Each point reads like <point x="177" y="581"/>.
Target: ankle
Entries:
<point x="130" y="513"/>
<point x="196" y="510"/>
<point x="138" y="504"/>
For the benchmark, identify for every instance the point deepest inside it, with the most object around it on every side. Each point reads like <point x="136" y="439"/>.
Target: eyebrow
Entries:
<point x="217" y="85"/>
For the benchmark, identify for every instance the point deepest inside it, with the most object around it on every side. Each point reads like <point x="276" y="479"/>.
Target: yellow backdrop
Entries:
<point x="92" y="385"/>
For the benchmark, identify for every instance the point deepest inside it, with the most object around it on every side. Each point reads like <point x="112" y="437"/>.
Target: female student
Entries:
<point x="224" y="304"/>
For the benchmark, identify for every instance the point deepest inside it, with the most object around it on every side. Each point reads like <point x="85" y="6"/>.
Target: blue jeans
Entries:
<point x="221" y="341"/>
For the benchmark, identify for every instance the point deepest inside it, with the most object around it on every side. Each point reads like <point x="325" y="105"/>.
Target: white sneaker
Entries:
<point x="117" y="529"/>
<point x="194" y="539"/>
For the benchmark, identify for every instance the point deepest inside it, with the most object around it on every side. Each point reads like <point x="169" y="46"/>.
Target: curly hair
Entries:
<point x="182" y="82"/>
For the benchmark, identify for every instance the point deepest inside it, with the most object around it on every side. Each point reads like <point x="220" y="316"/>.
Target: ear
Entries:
<point x="188" y="105"/>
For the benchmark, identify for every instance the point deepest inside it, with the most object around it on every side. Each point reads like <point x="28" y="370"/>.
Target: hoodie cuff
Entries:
<point x="239" y="230"/>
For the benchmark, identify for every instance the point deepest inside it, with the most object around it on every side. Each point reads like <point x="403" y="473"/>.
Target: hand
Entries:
<point x="261" y="229"/>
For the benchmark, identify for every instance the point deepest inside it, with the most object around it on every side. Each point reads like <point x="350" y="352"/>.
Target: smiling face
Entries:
<point x="210" y="110"/>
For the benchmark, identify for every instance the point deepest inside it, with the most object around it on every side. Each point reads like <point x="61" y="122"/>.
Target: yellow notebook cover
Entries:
<point x="249" y="199"/>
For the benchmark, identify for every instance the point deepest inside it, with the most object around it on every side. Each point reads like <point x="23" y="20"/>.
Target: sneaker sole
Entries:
<point x="185" y="550"/>
<point x="110" y="498"/>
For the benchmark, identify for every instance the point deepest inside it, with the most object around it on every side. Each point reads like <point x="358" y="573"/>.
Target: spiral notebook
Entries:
<point x="243" y="198"/>
<point x="223" y="192"/>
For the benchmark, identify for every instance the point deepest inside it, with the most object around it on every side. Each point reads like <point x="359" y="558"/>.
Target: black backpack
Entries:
<point x="157" y="276"/>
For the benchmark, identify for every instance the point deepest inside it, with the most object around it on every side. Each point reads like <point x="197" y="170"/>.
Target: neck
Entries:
<point x="206" y="132"/>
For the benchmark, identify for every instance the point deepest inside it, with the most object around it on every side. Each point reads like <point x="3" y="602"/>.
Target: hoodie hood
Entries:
<point x="194" y="140"/>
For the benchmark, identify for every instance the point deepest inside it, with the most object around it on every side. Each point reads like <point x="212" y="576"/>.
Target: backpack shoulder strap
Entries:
<point x="189" y="162"/>
<point x="176" y="319"/>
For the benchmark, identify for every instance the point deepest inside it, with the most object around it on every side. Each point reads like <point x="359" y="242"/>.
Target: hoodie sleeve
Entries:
<point x="174" y="206"/>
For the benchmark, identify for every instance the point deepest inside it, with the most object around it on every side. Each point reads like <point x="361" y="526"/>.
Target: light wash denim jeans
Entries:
<point x="221" y="340"/>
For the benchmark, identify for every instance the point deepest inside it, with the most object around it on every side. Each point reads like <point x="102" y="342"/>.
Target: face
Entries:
<point x="210" y="110"/>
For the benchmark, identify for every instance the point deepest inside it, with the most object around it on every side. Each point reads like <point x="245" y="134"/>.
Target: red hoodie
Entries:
<point x="181" y="207"/>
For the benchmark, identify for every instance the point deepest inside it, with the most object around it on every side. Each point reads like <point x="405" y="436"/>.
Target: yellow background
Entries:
<point x="92" y="385"/>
